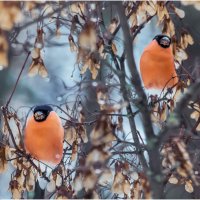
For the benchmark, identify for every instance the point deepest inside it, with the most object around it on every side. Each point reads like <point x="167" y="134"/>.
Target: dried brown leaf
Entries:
<point x="114" y="48"/>
<point x="188" y="186"/>
<point x="89" y="181"/>
<point x="106" y="178"/>
<point x="96" y="155"/>
<point x="179" y="12"/>
<point x="113" y="25"/>
<point x="173" y="179"/>
<point x="35" y="53"/>
<point x="78" y="183"/>
<point x="51" y="186"/>
<point x="74" y="150"/>
<point x="3" y="158"/>
<point x="70" y="135"/>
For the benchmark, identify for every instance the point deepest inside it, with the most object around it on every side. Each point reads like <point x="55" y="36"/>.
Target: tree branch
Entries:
<point x="15" y="86"/>
<point x="155" y="176"/>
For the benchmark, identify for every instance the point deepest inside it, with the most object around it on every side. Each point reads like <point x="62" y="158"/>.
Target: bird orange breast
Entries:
<point x="157" y="67"/>
<point x="44" y="140"/>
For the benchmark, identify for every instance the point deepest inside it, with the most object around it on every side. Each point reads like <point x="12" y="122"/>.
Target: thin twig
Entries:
<point x="23" y="66"/>
<point x="4" y="111"/>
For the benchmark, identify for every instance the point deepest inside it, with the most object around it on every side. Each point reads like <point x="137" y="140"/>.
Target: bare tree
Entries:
<point x="106" y="153"/>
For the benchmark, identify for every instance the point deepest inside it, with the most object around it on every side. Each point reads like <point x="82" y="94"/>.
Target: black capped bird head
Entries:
<point x="41" y="112"/>
<point x="163" y="40"/>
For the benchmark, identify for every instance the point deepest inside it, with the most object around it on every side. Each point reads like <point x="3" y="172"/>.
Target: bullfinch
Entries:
<point x="157" y="64"/>
<point x="44" y="135"/>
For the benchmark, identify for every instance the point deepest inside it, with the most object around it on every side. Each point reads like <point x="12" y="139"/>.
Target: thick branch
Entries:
<point x="131" y="117"/>
<point x="155" y="175"/>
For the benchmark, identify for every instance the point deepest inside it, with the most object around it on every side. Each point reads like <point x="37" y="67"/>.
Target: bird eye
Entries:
<point x="39" y="116"/>
<point x="165" y="41"/>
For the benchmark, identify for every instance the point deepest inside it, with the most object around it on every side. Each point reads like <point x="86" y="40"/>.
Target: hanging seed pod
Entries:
<point x="39" y="43"/>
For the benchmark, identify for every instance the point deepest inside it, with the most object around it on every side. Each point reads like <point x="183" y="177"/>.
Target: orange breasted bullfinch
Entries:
<point x="157" y="64"/>
<point x="44" y="135"/>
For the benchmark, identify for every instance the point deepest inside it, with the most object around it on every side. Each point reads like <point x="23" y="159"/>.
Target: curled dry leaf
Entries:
<point x="42" y="71"/>
<point x="95" y="195"/>
<point x="74" y="150"/>
<point x="57" y="176"/>
<point x="4" y="151"/>
<point x="162" y="12"/>
<point x="78" y="183"/>
<point x="196" y="4"/>
<point x="48" y="8"/>
<point x="165" y="163"/>
<point x="181" y="89"/>
<point x="120" y="123"/>
<point x="188" y="186"/>
<point x="186" y="39"/>
<point x="10" y="15"/>
<point x="106" y="178"/>
<point x="196" y="113"/>
<point x="168" y="28"/>
<point x="15" y="189"/>
<point x="94" y="70"/>
<point x="198" y="127"/>
<point x="3" y="60"/>
<point x="3" y="52"/>
<point x="86" y="66"/>
<point x="89" y="180"/>
<point x="120" y="184"/>
<point x="4" y="127"/>
<point x="113" y="25"/>
<point x="155" y="114"/>
<point x="127" y="187"/>
<point x="114" y="48"/>
<point x="20" y="177"/>
<point x="35" y="53"/>
<point x="145" y="187"/>
<point x="92" y="65"/>
<point x="141" y="13"/>
<point x="102" y="133"/>
<point x="29" y="5"/>
<point x="151" y="7"/>
<point x="14" y="162"/>
<point x="70" y="135"/>
<point x="38" y="67"/>
<point x="77" y="8"/>
<point x="96" y="155"/>
<point x="58" y="180"/>
<point x="101" y="51"/>
<point x="180" y="55"/>
<point x="51" y="186"/>
<point x="136" y="191"/>
<point x="39" y="42"/>
<point x="178" y="157"/>
<point x="182" y="172"/>
<point x="30" y="180"/>
<point x="134" y="176"/>
<point x="73" y="47"/>
<point x="164" y="112"/>
<point x="83" y="134"/>
<point x="87" y="38"/>
<point x="190" y="39"/>
<point x="179" y="12"/>
<point x="173" y="179"/>
<point x="102" y="98"/>
<point x="133" y="20"/>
